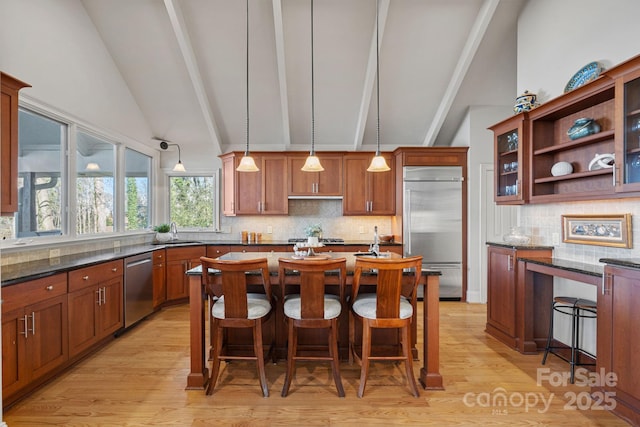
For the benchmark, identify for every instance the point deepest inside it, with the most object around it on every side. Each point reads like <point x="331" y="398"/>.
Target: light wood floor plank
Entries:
<point x="139" y="380"/>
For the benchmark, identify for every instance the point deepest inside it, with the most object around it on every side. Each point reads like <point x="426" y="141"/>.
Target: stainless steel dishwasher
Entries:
<point x="138" y="288"/>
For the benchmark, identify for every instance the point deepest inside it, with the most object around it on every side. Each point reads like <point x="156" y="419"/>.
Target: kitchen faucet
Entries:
<point x="173" y="229"/>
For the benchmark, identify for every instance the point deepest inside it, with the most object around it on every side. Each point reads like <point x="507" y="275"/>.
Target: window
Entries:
<point x="41" y="144"/>
<point x="191" y="201"/>
<point x="137" y="173"/>
<point x="95" y="184"/>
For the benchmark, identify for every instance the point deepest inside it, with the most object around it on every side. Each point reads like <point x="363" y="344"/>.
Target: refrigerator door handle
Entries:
<point x="407" y="236"/>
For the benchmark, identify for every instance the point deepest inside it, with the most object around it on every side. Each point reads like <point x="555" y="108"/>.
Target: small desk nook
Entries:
<point x="618" y="318"/>
<point x="429" y="376"/>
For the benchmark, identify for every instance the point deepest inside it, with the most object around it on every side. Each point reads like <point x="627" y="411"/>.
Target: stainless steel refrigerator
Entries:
<point x="432" y="222"/>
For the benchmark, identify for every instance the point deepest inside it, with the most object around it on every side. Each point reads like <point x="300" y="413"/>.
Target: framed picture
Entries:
<point x="602" y="230"/>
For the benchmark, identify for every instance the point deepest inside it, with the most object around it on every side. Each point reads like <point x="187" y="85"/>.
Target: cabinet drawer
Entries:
<point x="190" y="252"/>
<point x="20" y="295"/>
<point x="90" y="276"/>
<point x="159" y="256"/>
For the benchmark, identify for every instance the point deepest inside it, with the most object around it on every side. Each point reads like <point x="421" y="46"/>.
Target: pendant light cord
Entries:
<point x="377" y="83"/>
<point x="247" y="76"/>
<point x="313" y="115"/>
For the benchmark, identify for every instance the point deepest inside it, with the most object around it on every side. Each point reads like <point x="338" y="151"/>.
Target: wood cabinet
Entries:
<point x="159" y="277"/>
<point x="9" y="87"/>
<point x="95" y="304"/>
<point x="367" y="193"/>
<point x="215" y="251"/>
<point x="618" y="339"/>
<point x="325" y="183"/>
<point x="34" y="331"/>
<point x="510" y="159"/>
<point x="502" y="294"/>
<point x="255" y="193"/>
<point x="613" y="102"/>
<point x="179" y="260"/>
<point x="550" y="144"/>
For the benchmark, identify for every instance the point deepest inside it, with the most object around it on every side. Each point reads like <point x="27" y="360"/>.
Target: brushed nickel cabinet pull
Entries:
<point x="25" y="330"/>
<point x="114" y="269"/>
<point x="49" y="288"/>
<point x="33" y="323"/>
<point x="85" y="277"/>
<point x="99" y="293"/>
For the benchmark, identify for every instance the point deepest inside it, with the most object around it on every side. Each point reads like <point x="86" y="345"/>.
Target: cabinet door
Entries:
<point x="248" y="189"/>
<point x="301" y="183"/>
<point x="179" y="260"/>
<point x="501" y="290"/>
<point x="274" y="199"/>
<point x="83" y="321"/>
<point x="47" y="345"/>
<point x="381" y="190"/>
<point x="509" y="160"/>
<point x="355" y="200"/>
<point x="228" y="186"/>
<point x="14" y="371"/>
<point x="9" y="143"/>
<point x="618" y="343"/>
<point x="159" y="284"/>
<point x="628" y="149"/>
<point x="111" y="317"/>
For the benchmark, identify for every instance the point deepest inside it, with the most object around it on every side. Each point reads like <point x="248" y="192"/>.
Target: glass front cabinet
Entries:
<point x="510" y="159"/>
<point x="628" y="150"/>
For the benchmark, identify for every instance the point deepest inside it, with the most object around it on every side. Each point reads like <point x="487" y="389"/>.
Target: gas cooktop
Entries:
<point x="323" y="240"/>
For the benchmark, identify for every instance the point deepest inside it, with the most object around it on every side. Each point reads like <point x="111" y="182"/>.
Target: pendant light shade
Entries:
<point x="312" y="164"/>
<point x="247" y="164"/>
<point x="378" y="163"/>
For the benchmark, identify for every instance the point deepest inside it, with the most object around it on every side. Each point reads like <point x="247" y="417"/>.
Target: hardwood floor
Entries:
<point x="139" y="380"/>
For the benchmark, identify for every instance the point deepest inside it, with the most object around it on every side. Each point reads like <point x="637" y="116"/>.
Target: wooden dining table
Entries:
<point x="430" y="377"/>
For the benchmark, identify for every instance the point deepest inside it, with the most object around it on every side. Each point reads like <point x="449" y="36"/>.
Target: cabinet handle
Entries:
<point x="33" y="323"/>
<point x="49" y="288"/>
<point x="25" y="330"/>
<point x="85" y="277"/>
<point x="606" y="284"/>
<point x="509" y="263"/>
<point x="104" y="295"/>
<point x="99" y="293"/>
<point x="114" y="269"/>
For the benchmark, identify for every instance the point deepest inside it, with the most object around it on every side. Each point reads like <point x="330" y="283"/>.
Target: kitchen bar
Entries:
<point x="430" y="376"/>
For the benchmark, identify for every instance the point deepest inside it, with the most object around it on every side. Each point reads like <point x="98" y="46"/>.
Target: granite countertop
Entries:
<point x="568" y="265"/>
<point x="21" y="272"/>
<point x="516" y="246"/>
<point x="622" y="262"/>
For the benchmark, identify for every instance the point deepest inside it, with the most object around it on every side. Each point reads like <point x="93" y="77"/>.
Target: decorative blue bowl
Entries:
<point x="583" y="127"/>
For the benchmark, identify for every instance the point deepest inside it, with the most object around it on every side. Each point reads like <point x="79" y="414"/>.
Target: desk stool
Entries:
<point x="577" y="308"/>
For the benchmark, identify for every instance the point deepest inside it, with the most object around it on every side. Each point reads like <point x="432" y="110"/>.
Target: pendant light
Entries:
<point x="378" y="163"/>
<point x="312" y="164"/>
<point x="247" y="164"/>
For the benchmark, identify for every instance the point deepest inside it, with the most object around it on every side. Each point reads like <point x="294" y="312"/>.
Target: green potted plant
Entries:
<point x="313" y="232"/>
<point x="162" y="232"/>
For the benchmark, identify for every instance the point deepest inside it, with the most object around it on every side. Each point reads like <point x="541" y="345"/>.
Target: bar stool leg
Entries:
<point x="550" y="334"/>
<point x="574" y="341"/>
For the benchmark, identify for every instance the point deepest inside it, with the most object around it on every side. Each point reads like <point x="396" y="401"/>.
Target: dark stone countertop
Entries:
<point x="22" y="272"/>
<point x="568" y="265"/>
<point x="622" y="262"/>
<point x="529" y="246"/>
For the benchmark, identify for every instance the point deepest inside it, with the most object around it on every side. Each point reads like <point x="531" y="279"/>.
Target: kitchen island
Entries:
<point x="198" y="376"/>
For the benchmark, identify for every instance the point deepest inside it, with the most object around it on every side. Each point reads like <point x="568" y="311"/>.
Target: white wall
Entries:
<point x="55" y="48"/>
<point x="555" y="39"/>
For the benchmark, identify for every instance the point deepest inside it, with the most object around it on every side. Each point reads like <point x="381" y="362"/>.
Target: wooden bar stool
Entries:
<point x="312" y="307"/>
<point x="577" y="308"/>
<point x="238" y="308"/>
<point x="386" y="309"/>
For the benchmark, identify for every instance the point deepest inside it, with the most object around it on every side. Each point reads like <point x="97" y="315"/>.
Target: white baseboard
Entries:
<point x="474" y="297"/>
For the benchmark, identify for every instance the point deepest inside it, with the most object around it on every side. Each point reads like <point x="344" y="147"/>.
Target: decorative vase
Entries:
<point x="525" y="102"/>
<point x="163" y="237"/>
<point x="312" y="240"/>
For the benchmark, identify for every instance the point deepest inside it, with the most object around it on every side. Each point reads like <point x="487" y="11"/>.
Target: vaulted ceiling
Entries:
<point x="184" y="62"/>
